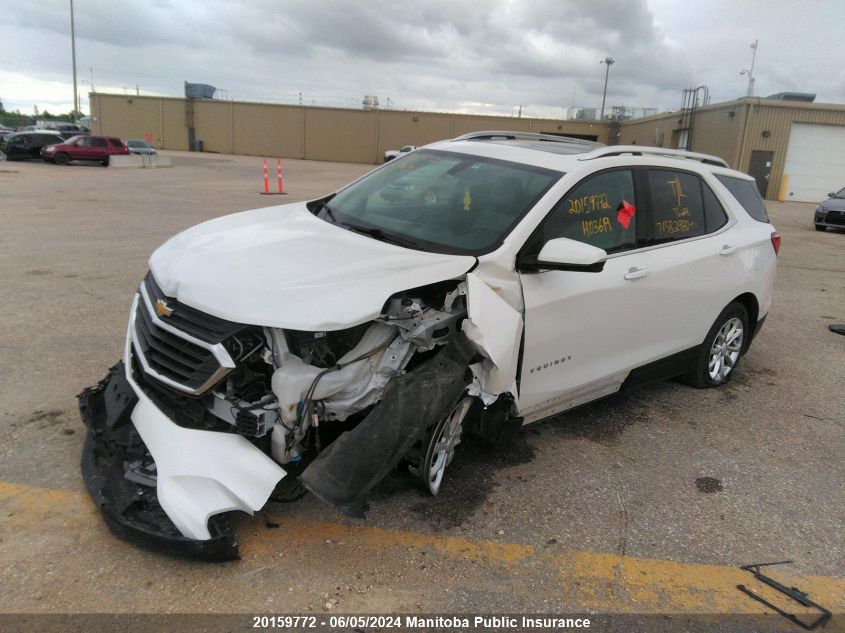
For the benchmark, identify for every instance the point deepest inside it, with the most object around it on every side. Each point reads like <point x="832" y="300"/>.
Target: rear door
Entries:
<point x="99" y="148"/>
<point x="695" y="258"/>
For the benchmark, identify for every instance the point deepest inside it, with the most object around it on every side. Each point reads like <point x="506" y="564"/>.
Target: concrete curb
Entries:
<point x="139" y="161"/>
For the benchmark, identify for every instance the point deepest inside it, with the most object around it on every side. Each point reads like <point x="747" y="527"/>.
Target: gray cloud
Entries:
<point x="431" y="54"/>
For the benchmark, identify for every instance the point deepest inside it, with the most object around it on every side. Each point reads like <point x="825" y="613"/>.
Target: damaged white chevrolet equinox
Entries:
<point x="472" y="286"/>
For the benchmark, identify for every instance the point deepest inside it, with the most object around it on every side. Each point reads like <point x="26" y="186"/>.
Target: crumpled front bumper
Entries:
<point x="200" y="475"/>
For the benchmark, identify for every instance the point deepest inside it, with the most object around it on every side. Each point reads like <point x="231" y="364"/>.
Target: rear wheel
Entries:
<point x="105" y="162"/>
<point x="437" y="448"/>
<point x="718" y="357"/>
<point x="61" y="158"/>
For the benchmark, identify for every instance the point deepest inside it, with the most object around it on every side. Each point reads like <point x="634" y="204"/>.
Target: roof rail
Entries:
<point x="525" y="136"/>
<point x="638" y="150"/>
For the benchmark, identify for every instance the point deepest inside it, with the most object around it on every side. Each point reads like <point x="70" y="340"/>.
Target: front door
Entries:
<point x="585" y="330"/>
<point x="759" y="168"/>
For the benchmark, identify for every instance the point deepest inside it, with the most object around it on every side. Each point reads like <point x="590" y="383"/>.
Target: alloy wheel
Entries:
<point x="441" y="447"/>
<point x="725" y="350"/>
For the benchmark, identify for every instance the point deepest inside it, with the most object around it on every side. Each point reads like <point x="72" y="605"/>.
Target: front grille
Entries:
<point x="184" y="350"/>
<point x="195" y="322"/>
<point x="836" y="217"/>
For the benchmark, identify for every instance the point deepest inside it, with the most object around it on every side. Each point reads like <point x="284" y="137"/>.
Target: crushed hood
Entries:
<point x="283" y="267"/>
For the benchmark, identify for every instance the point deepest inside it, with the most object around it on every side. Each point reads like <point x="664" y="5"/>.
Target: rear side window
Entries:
<point x="747" y="194"/>
<point x="600" y="211"/>
<point x="677" y="205"/>
<point x="98" y="142"/>
<point x="714" y="214"/>
<point x="116" y="142"/>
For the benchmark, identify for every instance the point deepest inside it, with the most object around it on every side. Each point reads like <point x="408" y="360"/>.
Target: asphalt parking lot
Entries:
<point x="645" y="502"/>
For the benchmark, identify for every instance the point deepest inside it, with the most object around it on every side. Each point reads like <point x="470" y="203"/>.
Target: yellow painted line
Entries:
<point x="592" y="580"/>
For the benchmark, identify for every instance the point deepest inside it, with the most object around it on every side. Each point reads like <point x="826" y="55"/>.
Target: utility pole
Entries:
<point x="73" y="57"/>
<point x="750" y="72"/>
<point x="608" y="61"/>
<point x="519" y="116"/>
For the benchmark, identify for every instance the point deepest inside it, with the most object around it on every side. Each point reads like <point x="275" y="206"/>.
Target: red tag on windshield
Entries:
<point x="625" y="213"/>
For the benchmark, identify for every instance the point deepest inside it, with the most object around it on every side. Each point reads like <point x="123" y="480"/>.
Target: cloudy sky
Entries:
<point x="486" y="56"/>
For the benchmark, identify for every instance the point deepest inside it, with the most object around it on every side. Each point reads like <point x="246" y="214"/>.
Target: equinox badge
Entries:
<point x="162" y="309"/>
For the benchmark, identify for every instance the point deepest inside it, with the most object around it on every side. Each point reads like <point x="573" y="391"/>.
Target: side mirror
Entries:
<point x="563" y="253"/>
<point x="831" y="194"/>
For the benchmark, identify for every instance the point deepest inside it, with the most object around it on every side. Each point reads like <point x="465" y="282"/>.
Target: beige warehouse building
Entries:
<point x="795" y="150"/>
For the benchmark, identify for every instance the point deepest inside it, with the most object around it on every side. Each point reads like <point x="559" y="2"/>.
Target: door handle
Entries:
<point x="727" y="249"/>
<point x="636" y="273"/>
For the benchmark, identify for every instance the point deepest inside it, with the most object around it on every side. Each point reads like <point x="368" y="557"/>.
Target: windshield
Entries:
<point x="840" y="194"/>
<point x="135" y="143"/>
<point x="441" y="201"/>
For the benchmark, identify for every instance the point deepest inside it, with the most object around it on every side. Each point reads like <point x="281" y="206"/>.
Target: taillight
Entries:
<point x="776" y="241"/>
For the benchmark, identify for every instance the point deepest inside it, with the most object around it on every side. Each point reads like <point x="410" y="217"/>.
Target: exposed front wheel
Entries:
<point x="105" y="161"/>
<point x="722" y="349"/>
<point x="439" y="444"/>
<point x="61" y="158"/>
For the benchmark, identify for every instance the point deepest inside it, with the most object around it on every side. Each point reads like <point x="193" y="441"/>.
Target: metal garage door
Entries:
<point x="815" y="161"/>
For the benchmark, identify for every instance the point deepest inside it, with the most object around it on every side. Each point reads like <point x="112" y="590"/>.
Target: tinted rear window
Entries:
<point x="98" y="142"/>
<point x="116" y="142"/>
<point x="747" y="194"/>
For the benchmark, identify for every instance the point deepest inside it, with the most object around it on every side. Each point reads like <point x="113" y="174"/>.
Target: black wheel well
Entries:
<point x="749" y="301"/>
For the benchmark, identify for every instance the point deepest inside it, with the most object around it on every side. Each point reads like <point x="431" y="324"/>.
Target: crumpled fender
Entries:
<point x="345" y="472"/>
<point x="495" y="329"/>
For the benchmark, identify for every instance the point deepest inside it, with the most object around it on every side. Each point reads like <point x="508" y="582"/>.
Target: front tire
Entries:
<point x="439" y="443"/>
<point x="820" y="228"/>
<point x="105" y="162"/>
<point x="61" y="158"/>
<point x="722" y="349"/>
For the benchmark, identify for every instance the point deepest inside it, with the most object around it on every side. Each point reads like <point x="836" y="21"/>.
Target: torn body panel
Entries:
<point x="495" y="328"/>
<point x="132" y="510"/>
<point x="196" y="476"/>
<point x="378" y="387"/>
<point x="359" y="459"/>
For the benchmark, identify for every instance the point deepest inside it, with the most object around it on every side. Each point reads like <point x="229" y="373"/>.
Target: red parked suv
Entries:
<point x="91" y="148"/>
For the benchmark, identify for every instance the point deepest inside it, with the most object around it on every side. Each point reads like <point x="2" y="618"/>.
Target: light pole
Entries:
<point x="608" y="61"/>
<point x="750" y="72"/>
<point x="73" y="58"/>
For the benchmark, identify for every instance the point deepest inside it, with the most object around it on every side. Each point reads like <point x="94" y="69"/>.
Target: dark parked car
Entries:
<point x="831" y="212"/>
<point x="87" y="148"/>
<point x="26" y="145"/>
<point x="67" y="135"/>
<point x="139" y="146"/>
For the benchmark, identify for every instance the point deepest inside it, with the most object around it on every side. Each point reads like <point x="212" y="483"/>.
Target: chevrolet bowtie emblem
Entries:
<point x="162" y="309"/>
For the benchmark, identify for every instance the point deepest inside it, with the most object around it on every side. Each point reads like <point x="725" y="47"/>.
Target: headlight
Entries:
<point x="819" y="208"/>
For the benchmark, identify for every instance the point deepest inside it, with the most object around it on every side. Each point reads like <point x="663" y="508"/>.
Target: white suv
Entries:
<point x="472" y="286"/>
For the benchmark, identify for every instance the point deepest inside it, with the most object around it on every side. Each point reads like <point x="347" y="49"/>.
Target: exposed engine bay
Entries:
<point x="331" y="412"/>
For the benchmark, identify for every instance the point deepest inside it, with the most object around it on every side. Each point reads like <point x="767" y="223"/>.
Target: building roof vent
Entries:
<point x="199" y="91"/>
<point x="808" y="97"/>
